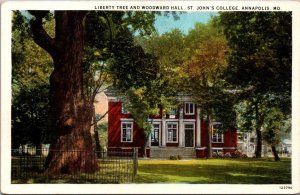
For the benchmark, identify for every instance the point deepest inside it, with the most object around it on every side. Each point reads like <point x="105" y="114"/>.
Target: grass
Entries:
<point x="109" y="171"/>
<point x="215" y="171"/>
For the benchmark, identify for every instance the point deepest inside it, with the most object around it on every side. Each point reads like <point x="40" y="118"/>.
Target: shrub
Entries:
<point x="227" y="155"/>
<point x="175" y="157"/>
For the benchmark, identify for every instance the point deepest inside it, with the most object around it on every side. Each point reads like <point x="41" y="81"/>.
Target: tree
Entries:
<point x="31" y="67"/>
<point x="71" y="112"/>
<point x="259" y="62"/>
<point x="135" y="79"/>
<point x="30" y="118"/>
<point x="275" y="127"/>
<point x="201" y="76"/>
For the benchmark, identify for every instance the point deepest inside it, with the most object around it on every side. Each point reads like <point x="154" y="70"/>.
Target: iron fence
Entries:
<point x="28" y="166"/>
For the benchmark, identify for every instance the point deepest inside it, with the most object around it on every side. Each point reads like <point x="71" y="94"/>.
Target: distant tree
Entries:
<point x="201" y="76"/>
<point x="30" y="117"/>
<point x="275" y="127"/>
<point x="259" y="63"/>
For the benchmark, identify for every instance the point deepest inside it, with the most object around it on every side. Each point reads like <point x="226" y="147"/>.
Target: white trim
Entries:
<point x="212" y="135"/>
<point x="131" y="123"/>
<point x="172" y="120"/>
<point x="181" y="133"/>
<point x="163" y="132"/>
<point x="198" y="129"/>
<point x="126" y="119"/>
<point x="176" y="132"/>
<point x="154" y="120"/>
<point x="189" y="123"/>
<point x="219" y="148"/>
<point x="189" y="120"/>
<point x="192" y="113"/>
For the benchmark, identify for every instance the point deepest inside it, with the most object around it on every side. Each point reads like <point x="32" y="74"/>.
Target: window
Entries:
<point x="155" y="133"/>
<point x="172" y="132"/>
<point x="218" y="151"/>
<point x="189" y="108"/>
<point x="172" y="113"/>
<point x="124" y="109"/>
<point x="217" y="133"/>
<point x="126" y="131"/>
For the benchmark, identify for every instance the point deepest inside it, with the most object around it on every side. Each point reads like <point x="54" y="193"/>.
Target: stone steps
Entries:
<point x="166" y="152"/>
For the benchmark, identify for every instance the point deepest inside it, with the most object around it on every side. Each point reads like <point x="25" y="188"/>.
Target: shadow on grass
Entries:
<point x="217" y="171"/>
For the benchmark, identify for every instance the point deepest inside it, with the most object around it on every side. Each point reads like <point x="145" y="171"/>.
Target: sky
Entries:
<point x="185" y="23"/>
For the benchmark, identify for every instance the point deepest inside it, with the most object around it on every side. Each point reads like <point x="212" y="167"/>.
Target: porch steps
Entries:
<point x="166" y="152"/>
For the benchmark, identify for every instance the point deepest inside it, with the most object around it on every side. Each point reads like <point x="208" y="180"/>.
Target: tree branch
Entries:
<point x="40" y="36"/>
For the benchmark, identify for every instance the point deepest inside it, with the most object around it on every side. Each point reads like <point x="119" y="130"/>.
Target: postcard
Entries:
<point x="151" y="97"/>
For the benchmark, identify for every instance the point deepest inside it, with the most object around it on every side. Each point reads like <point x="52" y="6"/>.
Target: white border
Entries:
<point x="7" y="187"/>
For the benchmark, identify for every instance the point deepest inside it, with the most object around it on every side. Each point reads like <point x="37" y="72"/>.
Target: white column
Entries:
<point x="198" y="129"/>
<point x="181" y="133"/>
<point x="163" y="132"/>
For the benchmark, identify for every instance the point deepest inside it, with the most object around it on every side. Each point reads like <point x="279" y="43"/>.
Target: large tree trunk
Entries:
<point x="209" y="148"/>
<point x="275" y="154"/>
<point x="258" y="147"/>
<point x="72" y="148"/>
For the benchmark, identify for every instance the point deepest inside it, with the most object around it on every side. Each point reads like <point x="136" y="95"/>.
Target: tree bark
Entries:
<point x="258" y="147"/>
<point x="71" y="149"/>
<point x="209" y="148"/>
<point x="275" y="154"/>
<point x="96" y="134"/>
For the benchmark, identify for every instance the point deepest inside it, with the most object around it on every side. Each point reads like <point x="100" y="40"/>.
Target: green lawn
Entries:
<point x="215" y="171"/>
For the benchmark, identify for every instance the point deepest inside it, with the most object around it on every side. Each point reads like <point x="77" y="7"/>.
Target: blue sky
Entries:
<point x="185" y="23"/>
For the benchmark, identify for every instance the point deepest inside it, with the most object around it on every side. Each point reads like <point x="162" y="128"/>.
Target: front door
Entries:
<point x="189" y="135"/>
<point x="155" y="135"/>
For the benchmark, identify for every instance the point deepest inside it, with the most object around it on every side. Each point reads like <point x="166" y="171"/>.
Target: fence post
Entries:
<point x="135" y="161"/>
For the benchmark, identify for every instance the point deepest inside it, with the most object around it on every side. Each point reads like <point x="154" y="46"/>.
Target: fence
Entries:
<point x="28" y="165"/>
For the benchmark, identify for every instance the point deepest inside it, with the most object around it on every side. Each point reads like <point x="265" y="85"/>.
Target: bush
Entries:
<point x="175" y="157"/>
<point x="227" y="155"/>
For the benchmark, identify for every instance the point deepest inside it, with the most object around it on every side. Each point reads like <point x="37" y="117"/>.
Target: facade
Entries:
<point x="181" y="132"/>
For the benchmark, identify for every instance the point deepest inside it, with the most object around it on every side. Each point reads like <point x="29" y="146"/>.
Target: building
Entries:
<point x="181" y="132"/>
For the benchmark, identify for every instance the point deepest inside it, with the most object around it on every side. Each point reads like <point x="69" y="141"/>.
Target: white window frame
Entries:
<point x="167" y="132"/>
<point x="217" y="135"/>
<point x="131" y="138"/>
<point x="159" y="132"/>
<point x="189" y="123"/>
<point x="186" y="111"/>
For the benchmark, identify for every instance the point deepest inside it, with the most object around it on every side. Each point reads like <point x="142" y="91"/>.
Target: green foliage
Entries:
<point x="175" y="157"/>
<point x="276" y="126"/>
<point x="31" y="68"/>
<point x="259" y="66"/>
<point x="30" y="116"/>
<point x="260" y="53"/>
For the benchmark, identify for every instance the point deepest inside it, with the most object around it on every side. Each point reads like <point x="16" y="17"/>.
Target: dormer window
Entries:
<point x="189" y="108"/>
